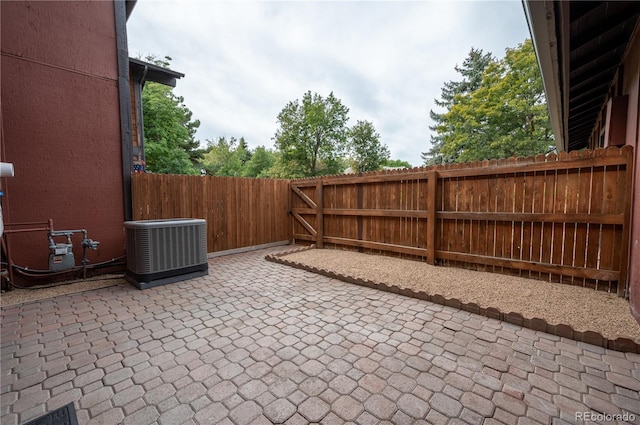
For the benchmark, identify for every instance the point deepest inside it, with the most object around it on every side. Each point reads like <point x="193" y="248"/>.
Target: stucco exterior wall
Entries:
<point x="61" y="125"/>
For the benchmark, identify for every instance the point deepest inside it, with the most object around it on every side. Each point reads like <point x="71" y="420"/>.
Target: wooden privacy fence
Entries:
<point x="240" y="212"/>
<point x="562" y="218"/>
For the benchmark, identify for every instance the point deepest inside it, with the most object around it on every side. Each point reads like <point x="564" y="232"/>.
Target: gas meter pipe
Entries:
<point x="86" y="244"/>
<point x="6" y="247"/>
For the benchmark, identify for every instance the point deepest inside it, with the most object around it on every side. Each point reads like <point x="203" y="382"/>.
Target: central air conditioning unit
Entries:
<point x="165" y="251"/>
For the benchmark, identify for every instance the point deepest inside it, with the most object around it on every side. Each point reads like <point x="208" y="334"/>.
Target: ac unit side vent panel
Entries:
<point x="165" y="251"/>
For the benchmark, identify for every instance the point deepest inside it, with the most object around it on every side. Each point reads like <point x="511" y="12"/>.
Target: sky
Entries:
<point x="385" y="60"/>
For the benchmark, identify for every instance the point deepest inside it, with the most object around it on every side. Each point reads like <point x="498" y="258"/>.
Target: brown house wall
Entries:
<point x="628" y="85"/>
<point x="61" y="125"/>
<point x="631" y="87"/>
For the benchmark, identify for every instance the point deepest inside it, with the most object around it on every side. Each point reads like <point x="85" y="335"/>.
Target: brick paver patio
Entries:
<point x="258" y="342"/>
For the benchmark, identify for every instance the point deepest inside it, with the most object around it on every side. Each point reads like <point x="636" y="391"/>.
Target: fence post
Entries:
<point x="360" y="219"/>
<point x="292" y="239"/>
<point x="432" y="183"/>
<point x="626" y="227"/>
<point x="319" y="215"/>
<point x="135" y="198"/>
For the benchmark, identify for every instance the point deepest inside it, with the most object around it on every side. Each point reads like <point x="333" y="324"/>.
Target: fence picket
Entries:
<point x="239" y="212"/>
<point x="559" y="218"/>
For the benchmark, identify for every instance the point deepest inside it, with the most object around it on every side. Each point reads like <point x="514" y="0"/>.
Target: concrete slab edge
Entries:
<point x="246" y="249"/>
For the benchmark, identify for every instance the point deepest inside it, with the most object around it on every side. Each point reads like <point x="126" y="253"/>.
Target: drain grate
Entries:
<point x="66" y="415"/>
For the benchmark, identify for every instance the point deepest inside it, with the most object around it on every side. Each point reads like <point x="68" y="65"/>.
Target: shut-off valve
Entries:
<point x="61" y="254"/>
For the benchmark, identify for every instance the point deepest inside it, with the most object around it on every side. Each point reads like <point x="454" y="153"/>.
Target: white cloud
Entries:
<point x="386" y="61"/>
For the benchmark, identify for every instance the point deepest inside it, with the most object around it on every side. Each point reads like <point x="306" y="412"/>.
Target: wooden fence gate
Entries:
<point x="561" y="218"/>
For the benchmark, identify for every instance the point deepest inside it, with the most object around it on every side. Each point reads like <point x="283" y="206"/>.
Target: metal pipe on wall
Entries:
<point x="5" y="239"/>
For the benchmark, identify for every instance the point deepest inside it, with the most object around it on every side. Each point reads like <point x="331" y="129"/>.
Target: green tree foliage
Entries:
<point x="243" y="151"/>
<point x="471" y="71"/>
<point x="367" y="153"/>
<point x="226" y="158"/>
<point x="506" y="116"/>
<point x="281" y="169"/>
<point x="260" y="163"/>
<point x="311" y="136"/>
<point x="234" y="158"/>
<point x="396" y="163"/>
<point x="169" y="130"/>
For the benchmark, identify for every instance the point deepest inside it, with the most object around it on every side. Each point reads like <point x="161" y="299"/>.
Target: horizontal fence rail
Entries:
<point x="561" y="218"/>
<point x="240" y="212"/>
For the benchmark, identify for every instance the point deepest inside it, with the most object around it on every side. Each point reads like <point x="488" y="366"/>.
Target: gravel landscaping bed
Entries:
<point x="581" y="308"/>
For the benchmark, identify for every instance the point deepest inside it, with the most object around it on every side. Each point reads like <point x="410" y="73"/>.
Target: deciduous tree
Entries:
<point x="226" y="157"/>
<point x="261" y="161"/>
<point x="505" y="116"/>
<point x="169" y="129"/>
<point x="366" y="150"/>
<point x="396" y="163"/>
<point x="311" y="135"/>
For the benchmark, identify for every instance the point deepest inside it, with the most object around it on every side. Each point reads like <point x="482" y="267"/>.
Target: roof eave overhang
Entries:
<point x="544" y="20"/>
<point x="129" y="6"/>
<point x="150" y="72"/>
